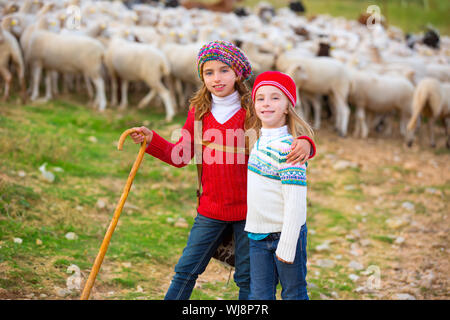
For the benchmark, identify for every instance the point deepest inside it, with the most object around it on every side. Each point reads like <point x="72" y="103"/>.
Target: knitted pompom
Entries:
<point x="227" y="53"/>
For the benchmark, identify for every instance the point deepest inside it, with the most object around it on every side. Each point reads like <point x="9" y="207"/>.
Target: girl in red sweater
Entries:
<point x="215" y="132"/>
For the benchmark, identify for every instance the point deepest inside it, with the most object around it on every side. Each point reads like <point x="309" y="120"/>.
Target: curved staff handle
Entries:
<point x="101" y="254"/>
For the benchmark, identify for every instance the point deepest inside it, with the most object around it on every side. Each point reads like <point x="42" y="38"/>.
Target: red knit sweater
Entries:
<point x="224" y="184"/>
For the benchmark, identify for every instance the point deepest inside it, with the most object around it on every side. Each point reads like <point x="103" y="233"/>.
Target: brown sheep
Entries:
<point x="432" y="99"/>
<point x="220" y="6"/>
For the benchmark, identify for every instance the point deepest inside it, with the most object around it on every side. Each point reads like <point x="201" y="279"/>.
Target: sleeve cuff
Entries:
<point x="286" y="251"/>
<point x="157" y="146"/>
<point x="313" y="146"/>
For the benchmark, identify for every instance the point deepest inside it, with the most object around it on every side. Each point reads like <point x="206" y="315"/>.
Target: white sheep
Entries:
<point x="324" y="76"/>
<point x="183" y="60"/>
<point x="17" y="22"/>
<point x="67" y="54"/>
<point x="179" y="33"/>
<point x="183" y="66"/>
<point x="263" y="60"/>
<point x="10" y="49"/>
<point x="28" y="27"/>
<point x="432" y="100"/>
<point x="90" y="28"/>
<point x="440" y="72"/>
<point x="24" y="25"/>
<point x="283" y="63"/>
<point x="138" y="62"/>
<point x="380" y="94"/>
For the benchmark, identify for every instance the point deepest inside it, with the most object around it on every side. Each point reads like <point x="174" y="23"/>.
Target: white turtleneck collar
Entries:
<point x="274" y="132"/>
<point x="223" y="108"/>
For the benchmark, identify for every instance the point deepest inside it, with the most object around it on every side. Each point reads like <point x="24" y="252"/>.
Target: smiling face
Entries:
<point x="271" y="107"/>
<point x="219" y="78"/>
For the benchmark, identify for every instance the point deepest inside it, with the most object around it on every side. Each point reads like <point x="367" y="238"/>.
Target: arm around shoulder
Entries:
<point x="313" y="145"/>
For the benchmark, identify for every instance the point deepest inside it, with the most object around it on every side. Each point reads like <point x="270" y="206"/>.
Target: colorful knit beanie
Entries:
<point x="227" y="53"/>
<point x="277" y="79"/>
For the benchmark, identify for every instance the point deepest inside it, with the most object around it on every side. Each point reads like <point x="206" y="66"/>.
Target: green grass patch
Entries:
<point x="329" y="217"/>
<point x="384" y="238"/>
<point x="83" y="143"/>
<point x="125" y="283"/>
<point x="410" y="16"/>
<point x="325" y="187"/>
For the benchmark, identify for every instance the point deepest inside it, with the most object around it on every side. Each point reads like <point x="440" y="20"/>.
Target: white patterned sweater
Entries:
<point x="276" y="191"/>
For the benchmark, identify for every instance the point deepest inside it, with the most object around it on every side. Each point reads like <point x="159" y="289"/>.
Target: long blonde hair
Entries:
<point x="297" y="126"/>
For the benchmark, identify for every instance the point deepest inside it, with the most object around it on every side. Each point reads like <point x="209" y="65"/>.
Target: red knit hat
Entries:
<point x="277" y="79"/>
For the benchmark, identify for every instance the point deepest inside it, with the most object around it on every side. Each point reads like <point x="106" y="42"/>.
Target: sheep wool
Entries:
<point x="227" y="53"/>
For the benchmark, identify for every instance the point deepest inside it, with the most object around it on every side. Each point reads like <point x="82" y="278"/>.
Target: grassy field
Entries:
<point x="348" y="210"/>
<point x="409" y="15"/>
<point x="81" y="144"/>
<point x="372" y="205"/>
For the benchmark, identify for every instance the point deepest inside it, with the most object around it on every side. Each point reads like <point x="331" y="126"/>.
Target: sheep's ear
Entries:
<point x="297" y="70"/>
<point x="410" y="76"/>
<point x="5" y="23"/>
<point x="10" y="8"/>
<point x="2" y="24"/>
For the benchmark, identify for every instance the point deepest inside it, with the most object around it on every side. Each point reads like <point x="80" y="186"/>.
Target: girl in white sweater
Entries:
<point x="276" y="193"/>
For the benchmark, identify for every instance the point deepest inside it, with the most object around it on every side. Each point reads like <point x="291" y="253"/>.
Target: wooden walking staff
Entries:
<point x="115" y="219"/>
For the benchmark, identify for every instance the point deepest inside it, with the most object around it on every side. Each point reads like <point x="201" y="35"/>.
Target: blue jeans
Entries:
<point x="266" y="270"/>
<point x="205" y="236"/>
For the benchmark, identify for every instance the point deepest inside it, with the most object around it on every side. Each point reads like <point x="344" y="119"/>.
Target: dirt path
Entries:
<point x="412" y="185"/>
<point x="409" y="189"/>
<point x="390" y="243"/>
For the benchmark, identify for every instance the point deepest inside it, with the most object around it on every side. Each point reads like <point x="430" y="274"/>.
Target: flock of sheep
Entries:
<point x="91" y="45"/>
